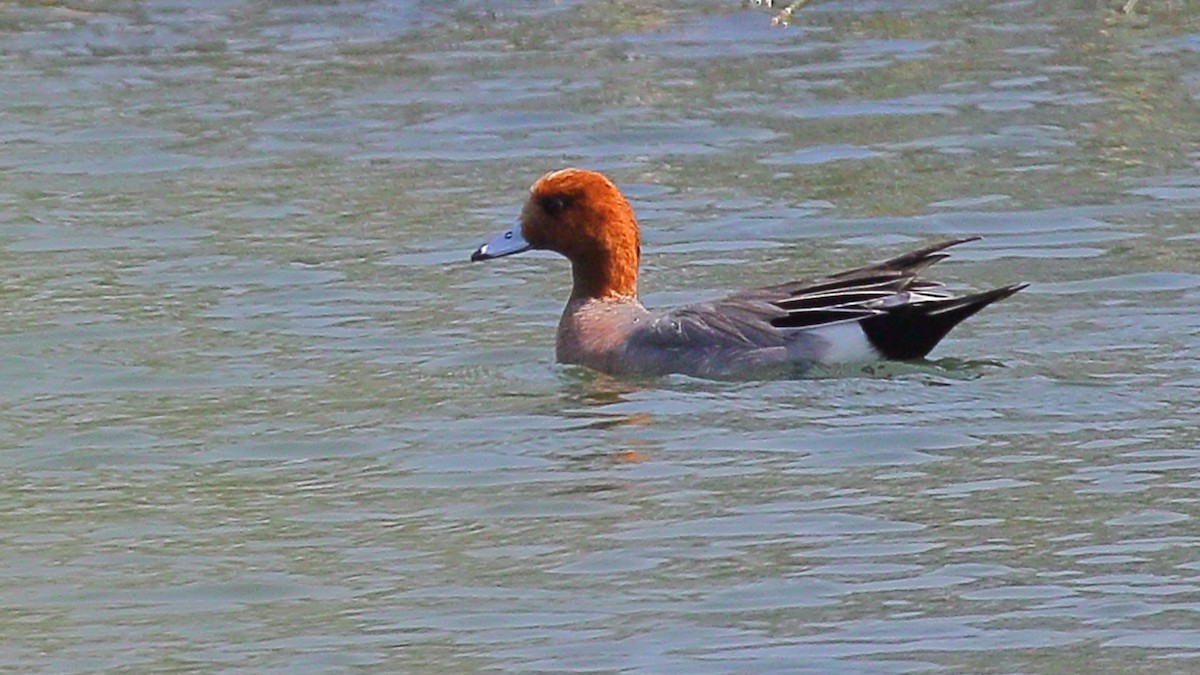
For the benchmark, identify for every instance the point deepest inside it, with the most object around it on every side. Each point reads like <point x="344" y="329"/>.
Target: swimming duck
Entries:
<point x="882" y="311"/>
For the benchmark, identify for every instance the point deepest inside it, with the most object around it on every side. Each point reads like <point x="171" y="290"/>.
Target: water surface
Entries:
<point x="260" y="413"/>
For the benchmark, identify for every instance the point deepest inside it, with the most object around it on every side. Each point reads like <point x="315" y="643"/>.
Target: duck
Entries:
<point x="884" y="311"/>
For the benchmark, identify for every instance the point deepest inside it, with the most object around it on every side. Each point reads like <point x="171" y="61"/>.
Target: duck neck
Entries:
<point x="606" y="275"/>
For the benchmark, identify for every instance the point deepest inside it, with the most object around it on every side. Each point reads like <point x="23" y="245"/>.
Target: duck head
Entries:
<point x="583" y="216"/>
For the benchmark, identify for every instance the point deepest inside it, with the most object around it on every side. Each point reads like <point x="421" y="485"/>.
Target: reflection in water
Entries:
<point x="259" y="411"/>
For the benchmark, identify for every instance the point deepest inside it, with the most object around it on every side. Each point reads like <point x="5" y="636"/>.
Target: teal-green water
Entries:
<point x="258" y="412"/>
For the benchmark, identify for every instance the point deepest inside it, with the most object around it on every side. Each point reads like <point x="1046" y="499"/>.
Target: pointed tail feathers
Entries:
<point x="911" y="331"/>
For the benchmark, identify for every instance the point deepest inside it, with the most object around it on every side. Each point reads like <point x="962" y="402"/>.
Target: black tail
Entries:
<point x="911" y="331"/>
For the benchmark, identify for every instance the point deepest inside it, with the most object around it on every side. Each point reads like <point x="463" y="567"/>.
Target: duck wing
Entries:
<point x="883" y="310"/>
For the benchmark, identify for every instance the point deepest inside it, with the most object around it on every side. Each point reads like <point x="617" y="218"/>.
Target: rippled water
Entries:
<point x="260" y="413"/>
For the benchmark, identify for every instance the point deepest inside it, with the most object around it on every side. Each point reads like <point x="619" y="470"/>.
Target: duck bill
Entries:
<point x="507" y="242"/>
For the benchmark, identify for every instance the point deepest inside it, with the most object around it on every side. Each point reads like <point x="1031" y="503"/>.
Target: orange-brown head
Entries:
<point x="582" y="215"/>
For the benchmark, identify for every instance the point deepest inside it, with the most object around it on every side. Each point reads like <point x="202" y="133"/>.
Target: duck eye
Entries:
<point x="553" y="205"/>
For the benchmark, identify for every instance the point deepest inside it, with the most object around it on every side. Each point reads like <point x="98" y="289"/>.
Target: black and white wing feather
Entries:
<point x="887" y="307"/>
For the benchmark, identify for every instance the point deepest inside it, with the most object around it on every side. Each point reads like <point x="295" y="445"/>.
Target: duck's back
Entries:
<point x="883" y="311"/>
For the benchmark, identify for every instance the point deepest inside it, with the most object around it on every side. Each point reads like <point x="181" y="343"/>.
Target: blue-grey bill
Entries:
<point x="506" y="243"/>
